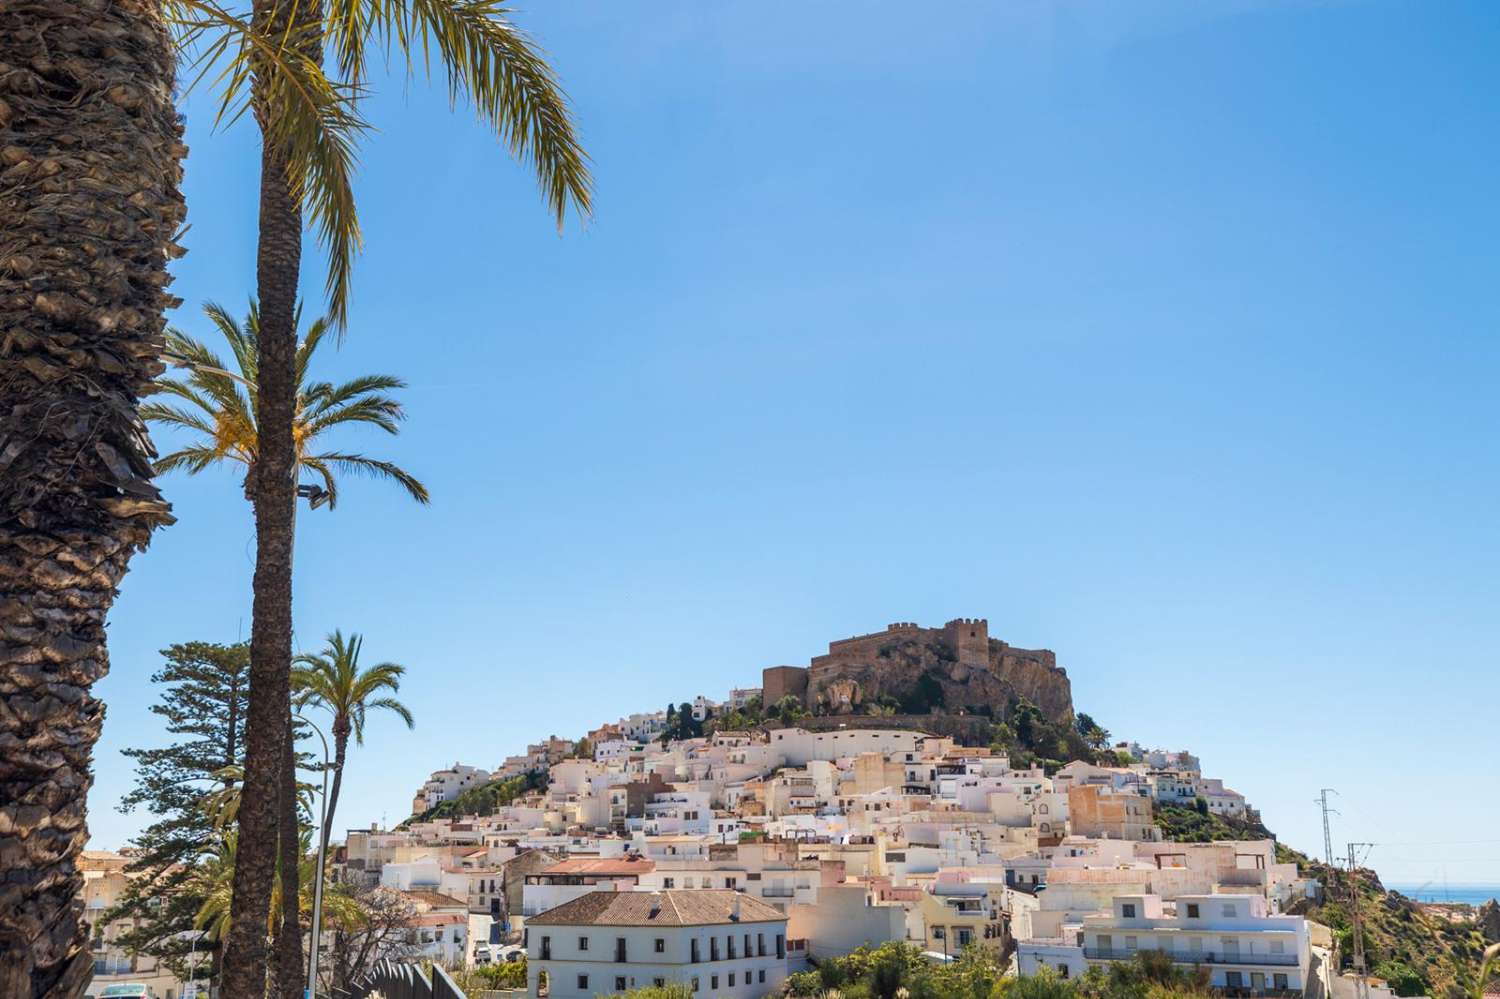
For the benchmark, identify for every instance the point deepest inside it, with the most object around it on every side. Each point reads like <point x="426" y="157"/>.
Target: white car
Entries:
<point x="128" y="991"/>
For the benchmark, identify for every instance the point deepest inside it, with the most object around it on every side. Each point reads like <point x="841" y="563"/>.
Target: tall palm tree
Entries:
<point x="310" y="125"/>
<point x="216" y="406"/>
<point x="90" y="147"/>
<point x="333" y="679"/>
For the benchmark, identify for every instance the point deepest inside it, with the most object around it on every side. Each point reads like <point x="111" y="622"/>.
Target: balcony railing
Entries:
<point x="1211" y="957"/>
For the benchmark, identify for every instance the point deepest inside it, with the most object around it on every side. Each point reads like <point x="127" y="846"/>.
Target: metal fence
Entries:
<point x="390" y="980"/>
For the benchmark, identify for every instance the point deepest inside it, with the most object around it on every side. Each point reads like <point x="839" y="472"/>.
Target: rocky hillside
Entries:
<point x="956" y="669"/>
<point x="1416" y="948"/>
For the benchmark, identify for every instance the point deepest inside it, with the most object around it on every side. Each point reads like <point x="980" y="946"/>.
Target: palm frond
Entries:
<point x="500" y="69"/>
<point x="309" y="345"/>
<point x="325" y="395"/>
<point x="194" y="459"/>
<point x="360" y="465"/>
<point x="393" y="705"/>
<point x="383" y="412"/>
<point x="186" y="392"/>
<point x="176" y="416"/>
<point x="311" y="123"/>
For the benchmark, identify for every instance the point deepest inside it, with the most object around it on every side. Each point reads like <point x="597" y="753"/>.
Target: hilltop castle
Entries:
<point x="955" y="668"/>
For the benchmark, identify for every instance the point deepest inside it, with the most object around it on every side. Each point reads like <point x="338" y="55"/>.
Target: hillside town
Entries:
<point x="733" y="846"/>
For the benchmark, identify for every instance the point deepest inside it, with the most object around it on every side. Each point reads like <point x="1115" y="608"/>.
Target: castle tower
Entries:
<point x="968" y="638"/>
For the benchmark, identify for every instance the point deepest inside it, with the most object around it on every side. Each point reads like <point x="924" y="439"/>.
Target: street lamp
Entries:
<point x="317" y="913"/>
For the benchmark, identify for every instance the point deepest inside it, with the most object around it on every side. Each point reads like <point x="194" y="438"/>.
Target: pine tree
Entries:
<point x="203" y="702"/>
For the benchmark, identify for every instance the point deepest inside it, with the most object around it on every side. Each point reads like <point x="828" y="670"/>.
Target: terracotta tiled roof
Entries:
<point x="435" y="899"/>
<point x="682" y="907"/>
<point x="602" y="865"/>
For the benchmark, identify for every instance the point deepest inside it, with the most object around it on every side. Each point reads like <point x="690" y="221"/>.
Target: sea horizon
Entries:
<point x="1475" y="894"/>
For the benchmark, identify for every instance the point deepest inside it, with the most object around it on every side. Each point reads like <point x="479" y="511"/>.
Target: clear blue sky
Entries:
<point x="1160" y="334"/>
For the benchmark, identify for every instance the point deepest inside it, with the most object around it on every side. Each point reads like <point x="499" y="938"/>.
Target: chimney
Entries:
<point x="734" y="908"/>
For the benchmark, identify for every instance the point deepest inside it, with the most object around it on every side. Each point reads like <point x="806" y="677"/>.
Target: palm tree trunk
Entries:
<point x="278" y="256"/>
<point x="340" y="745"/>
<point x="289" y="970"/>
<point x="90" y="150"/>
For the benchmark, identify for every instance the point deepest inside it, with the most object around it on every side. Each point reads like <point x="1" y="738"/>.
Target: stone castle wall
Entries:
<point x="959" y="659"/>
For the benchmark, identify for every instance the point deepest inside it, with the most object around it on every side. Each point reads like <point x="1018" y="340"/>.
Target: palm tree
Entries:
<point x="333" y="679"/>
<point x="218" y="409"/>
<point x="216" y="406"/>
<point x="216" y="877"/>
<point x="310" y="126"/>
<point x="91" y="153"/>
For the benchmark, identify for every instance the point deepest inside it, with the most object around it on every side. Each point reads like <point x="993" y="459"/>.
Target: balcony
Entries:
<point x="1124" y="954"/>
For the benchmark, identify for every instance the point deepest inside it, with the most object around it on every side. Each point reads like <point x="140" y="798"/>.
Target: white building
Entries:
<point x="447" y="784"/>
<point x="741" y="696"/>
<point x="1231" y="935"/>
<point x="797" y="747"/>
<point x="718" y="943"/>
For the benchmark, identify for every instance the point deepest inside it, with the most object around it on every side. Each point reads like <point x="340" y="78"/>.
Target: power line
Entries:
<point x="1361" y="983"/>
<point x="1322" y="800"/>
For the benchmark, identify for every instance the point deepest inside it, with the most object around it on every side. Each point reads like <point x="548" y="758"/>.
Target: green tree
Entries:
<point x="89" y="209"/>
<point x="1091" y="731"/>
<point x="1403" y="979"/>
<point x="333" y="679"/>
<point x="789" y="709"/>
<point x="214" y="886"/>
<point x="310" y="124"/>
<point x="204" y="694"/>
<point x="220" y="409"/>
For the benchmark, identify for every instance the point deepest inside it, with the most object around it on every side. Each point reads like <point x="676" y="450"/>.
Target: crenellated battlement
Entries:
<point x="973" y="670"/>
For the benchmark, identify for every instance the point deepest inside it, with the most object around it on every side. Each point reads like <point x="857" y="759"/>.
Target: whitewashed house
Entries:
<point x="718" y="943"/>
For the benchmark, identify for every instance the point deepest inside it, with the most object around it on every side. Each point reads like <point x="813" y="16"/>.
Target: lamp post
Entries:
<point x="317" y="913"/>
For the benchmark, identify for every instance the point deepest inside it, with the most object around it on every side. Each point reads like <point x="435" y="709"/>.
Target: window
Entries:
<point x="1131" y="943"/>
<point x="763" y="976"/>
<point x="939" y="933"/>
<point x="583" y="981"/>
<point x="619" y="950"/>
<point x="749" y="951"/>
<point x="619" y="983"/>
<point x="1278" y="947"/>
<point x="713" y="953"/>
<point x="1227" y="910"/>
<point x="546" y="948"/>
<point x="1192" y="910"/>
<point x="731" y="979"/>
<point x="760" y="941"/>
<point x="661" y="945"/>
<point x="780" y="946"/>
<point x="1279" y="980"/>
<point x="713" y="981"/>
<point x="697" y="983"/>
<point x="730" y="941"/>
<point x="659" y="982"/>
<point x="1128" y="910"/>
<point x="1233" y="979"/>
<point x="669" y="882"/>
<point x="583" y="943"/>
<point x="694" y="956"/>
<point x="1062" y="971"/>
<point x="731" y="882"/>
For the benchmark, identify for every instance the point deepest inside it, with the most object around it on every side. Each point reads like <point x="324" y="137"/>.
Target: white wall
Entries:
<point x="644" y="963"/>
